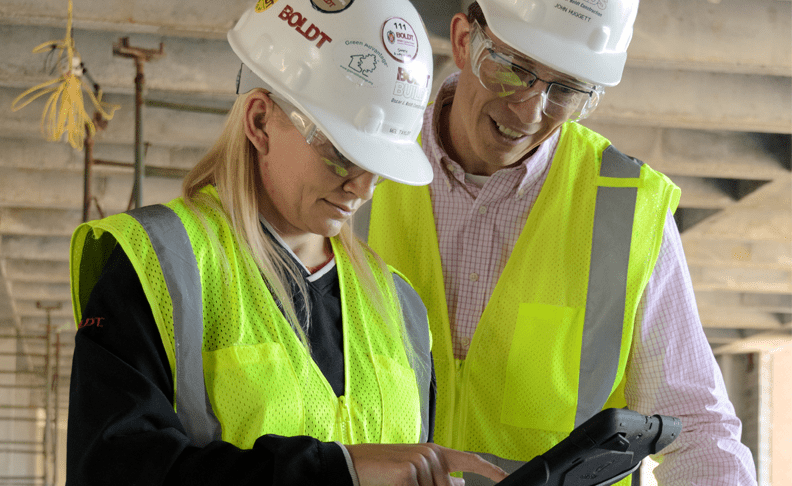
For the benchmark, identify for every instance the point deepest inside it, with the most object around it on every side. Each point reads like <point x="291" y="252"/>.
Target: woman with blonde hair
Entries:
<point x="241" y="334"/>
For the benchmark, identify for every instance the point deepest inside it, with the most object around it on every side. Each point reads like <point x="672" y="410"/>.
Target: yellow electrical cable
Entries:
<point x="64" y="110"/>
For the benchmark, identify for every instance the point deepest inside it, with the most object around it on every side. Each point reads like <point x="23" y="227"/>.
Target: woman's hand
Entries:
<point x="416" y="465"/>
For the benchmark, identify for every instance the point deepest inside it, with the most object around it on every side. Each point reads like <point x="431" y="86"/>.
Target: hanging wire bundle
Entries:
<point x="65" y="111"/>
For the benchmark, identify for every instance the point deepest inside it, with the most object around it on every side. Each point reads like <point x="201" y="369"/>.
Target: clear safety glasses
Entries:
<point x="333" y="159"/>
<point x="510" y="74"/>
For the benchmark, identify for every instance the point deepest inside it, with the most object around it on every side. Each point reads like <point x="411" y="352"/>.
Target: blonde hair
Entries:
<point x="231" y="165"/>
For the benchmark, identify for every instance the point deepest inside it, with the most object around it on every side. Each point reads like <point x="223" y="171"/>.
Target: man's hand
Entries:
<point x="416" y="465"/>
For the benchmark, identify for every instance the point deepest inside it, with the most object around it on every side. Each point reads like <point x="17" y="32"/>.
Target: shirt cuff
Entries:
<point x="350" y="466"/>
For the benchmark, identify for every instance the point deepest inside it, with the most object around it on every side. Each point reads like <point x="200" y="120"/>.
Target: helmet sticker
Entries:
<point x="263" y="5"/>
<point x="399" y="39"/>
<point x="297" y="20"/>
<point x="412" y="87"/>
<point x="362" y="63"/>
<point x="582" y="4"/>
<point x="600" y="4"/>
<point x="331" y="6"/>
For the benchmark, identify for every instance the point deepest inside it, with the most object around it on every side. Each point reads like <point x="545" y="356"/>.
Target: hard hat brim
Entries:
<point x="400" y="161"/>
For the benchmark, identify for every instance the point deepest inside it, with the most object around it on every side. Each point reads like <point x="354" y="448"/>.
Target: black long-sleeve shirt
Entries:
<point x="122" y="426"/>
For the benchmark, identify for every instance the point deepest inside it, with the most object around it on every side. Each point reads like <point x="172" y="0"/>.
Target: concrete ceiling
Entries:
<point x="706" y="98"/>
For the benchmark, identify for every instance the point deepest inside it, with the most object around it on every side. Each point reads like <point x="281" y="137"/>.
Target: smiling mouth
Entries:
<point x="508" y="132"/>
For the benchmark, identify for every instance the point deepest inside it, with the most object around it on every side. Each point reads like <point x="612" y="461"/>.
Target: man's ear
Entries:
<point x="460" y="39"/>
<point x="258" y="113"/>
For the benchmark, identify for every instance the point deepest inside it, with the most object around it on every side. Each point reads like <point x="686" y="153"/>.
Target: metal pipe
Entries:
<point x="185" y="107"/>
<point x="171" y="172"/>
<point x="29" y="372"/>
<point x="19" y="419"/>
<point x="32" y="355"/>
<point x="89" y="145"/>
<point x="47" y="442"/>
<point x="25" y="407"/>
<point x="55" y="380"/>
<point x="47" y="432"/>
<point x="140" y="82"/>
<point x="22" y="336"/>
<point x="18" y="372"/>
<point x="140" y="56"/>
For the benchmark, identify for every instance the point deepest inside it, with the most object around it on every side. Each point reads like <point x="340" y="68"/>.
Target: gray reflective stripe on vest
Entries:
<point x="607" y="286"/>
<point x="361" y="220"/>
<point x="177" y="260"/>
<point x="416" y="323"/>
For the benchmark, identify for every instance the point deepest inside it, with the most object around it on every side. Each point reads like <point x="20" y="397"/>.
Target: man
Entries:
<point x="549" y="261"/>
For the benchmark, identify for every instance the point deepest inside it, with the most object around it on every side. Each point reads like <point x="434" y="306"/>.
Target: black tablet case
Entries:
<point x="603" y="450"/>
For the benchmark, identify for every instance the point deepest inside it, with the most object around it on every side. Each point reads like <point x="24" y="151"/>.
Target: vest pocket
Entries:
<point x="542" y="372"/>
<point x="254" y="391"/>
<point x="401" y="407"/>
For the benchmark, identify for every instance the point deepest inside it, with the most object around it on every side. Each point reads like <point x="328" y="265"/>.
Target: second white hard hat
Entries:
<point x="586" y="39"/>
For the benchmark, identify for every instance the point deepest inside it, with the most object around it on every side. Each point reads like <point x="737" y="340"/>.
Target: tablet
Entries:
<point x="603" y="450"/>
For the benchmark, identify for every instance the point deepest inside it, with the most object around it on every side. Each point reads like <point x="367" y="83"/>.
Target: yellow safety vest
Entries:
<point x="552" y="344"/>
<point x="258" y="377"/>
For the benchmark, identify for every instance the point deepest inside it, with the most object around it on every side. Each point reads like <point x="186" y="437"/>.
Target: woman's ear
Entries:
<point x="258" y="112"/>
<point x="460" y="39"/>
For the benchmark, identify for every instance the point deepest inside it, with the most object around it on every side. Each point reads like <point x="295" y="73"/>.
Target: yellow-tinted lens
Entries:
<point x="337" y="168"/>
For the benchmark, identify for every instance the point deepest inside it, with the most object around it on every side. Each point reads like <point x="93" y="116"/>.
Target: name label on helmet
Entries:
<point x="297" y="20"/>
<point x="573" y="13"/>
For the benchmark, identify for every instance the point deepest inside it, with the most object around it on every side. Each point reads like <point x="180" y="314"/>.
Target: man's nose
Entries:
<point x="530" y="110"/>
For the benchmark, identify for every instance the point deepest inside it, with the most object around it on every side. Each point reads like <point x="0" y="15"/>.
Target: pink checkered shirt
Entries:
<point x="671" y="369"/>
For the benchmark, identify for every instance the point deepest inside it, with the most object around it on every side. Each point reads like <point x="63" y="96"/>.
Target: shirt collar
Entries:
<point x="270" y="231"/>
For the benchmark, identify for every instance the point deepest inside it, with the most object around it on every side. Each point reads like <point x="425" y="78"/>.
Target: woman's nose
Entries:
<point x="362" y="185"/>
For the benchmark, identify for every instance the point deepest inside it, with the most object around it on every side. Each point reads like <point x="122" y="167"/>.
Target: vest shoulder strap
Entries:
<point x="416" y="324"/>
<point x="170" y="241"/>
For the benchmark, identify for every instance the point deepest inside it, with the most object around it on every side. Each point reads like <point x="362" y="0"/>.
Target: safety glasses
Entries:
<point x="511" y="75"/>
<point x="334" y="160"/>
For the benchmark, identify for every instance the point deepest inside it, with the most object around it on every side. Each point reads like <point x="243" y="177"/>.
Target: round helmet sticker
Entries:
<point x="399" y="39"/>
<point x="331" y="6"/>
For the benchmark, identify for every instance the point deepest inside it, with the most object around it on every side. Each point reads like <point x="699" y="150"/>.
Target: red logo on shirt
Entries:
<point x="91" y="321"/>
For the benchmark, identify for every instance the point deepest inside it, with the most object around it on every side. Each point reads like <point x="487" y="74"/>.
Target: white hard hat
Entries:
<point x="585" y="39"/>
<point x="361" y="70"/>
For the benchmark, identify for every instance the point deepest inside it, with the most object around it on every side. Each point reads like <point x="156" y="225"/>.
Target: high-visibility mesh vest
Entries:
<point x="258" y="376"/>
<point x="552" y="344"/>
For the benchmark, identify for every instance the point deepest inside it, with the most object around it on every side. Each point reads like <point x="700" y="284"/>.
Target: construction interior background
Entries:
<point x="706" y="98"/>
